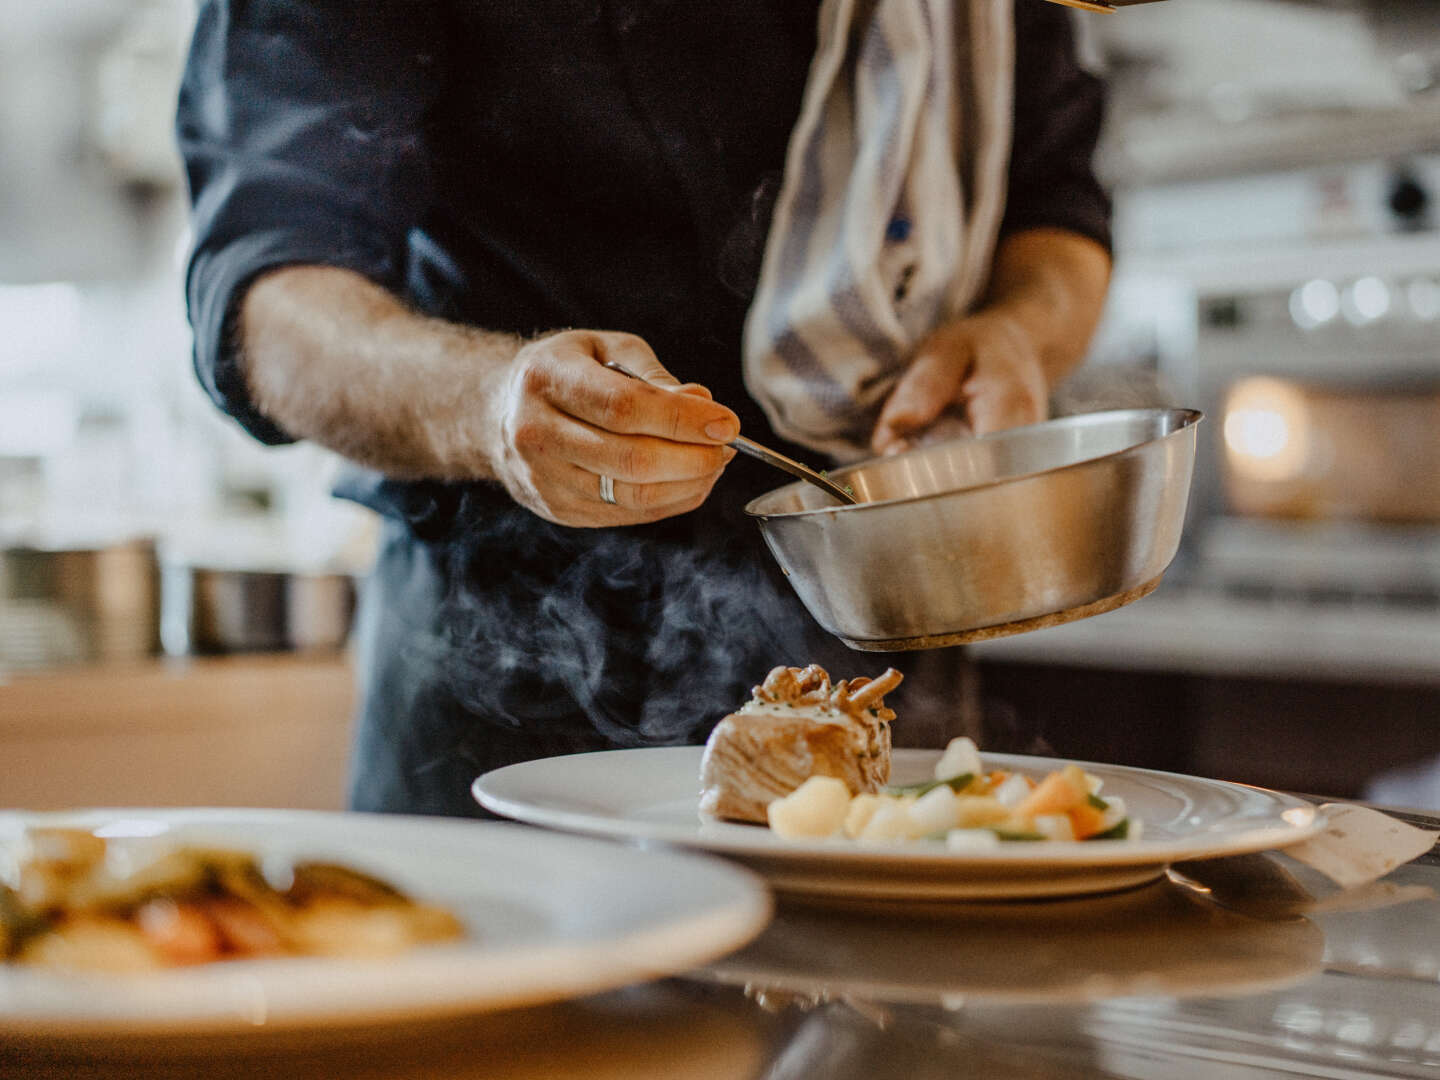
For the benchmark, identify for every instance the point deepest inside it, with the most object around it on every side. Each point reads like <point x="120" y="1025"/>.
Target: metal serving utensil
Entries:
<point x="770" y="457"/>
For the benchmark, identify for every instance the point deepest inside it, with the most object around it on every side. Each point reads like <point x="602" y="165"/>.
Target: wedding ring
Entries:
<point x="607" y="490"/>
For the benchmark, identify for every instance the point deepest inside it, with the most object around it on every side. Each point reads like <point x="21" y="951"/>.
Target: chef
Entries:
<point x="420" y="231"/>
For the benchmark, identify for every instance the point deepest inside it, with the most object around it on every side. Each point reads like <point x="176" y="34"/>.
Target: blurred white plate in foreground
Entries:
<point x="548" y="917"/>
<point x="653" y="794"/>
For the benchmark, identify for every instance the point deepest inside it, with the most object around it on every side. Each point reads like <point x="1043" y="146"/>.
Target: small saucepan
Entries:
<point x="983" y="537"/>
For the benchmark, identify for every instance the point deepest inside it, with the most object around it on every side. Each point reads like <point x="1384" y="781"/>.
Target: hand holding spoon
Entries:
<point x="772" y="457"/>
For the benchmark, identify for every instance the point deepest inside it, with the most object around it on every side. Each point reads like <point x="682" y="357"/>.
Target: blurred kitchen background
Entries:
<point x="174" y="599"/>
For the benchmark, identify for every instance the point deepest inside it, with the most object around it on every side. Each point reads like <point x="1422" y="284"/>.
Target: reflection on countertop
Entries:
<point x="1156" y="982"/>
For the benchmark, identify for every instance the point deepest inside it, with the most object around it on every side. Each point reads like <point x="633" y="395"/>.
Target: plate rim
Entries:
<point x="839" y="851"/>
<point x="548" y="970"/>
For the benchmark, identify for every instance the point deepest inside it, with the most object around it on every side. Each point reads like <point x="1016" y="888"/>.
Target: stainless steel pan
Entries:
<point x="978" y="538"/>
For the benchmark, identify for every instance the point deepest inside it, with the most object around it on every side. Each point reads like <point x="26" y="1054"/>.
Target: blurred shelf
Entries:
<point x="1191" y="631"/>
<point x="1164" y="148"/>
<point x="1260" y="268"/>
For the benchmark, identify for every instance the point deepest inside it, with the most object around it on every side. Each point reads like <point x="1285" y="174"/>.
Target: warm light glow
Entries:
<point x="1260" y="433"/>
<point x="1266" y="430"/>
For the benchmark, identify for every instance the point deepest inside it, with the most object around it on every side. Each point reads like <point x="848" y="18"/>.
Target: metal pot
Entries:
<point x="208" y="610"/>
<point x="978" y="538"/>
<point x="63" y="605"/>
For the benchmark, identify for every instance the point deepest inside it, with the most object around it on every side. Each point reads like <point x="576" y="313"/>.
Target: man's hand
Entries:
<point x="985" y="367"/>
<point x="996" y="366"/>
<point x="563" y="420"/>
<point x="333" y="357"/>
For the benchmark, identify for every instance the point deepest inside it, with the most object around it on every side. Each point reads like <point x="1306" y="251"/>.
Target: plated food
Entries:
<point x="649" y="796"/>
<point x="76" y="901"/>
<point x="812" y="761"/>
<point x="795" y="726"/>
<point x="965" y="805"/>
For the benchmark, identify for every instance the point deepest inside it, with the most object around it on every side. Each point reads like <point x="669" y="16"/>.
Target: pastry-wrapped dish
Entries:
<point x="797" y="725"/>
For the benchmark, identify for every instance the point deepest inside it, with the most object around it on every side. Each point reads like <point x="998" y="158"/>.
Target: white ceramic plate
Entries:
<point x="549" y="916"/>
<point x="653" y="794"/>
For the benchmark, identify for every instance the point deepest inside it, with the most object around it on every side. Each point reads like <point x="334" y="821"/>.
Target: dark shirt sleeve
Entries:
<point x="1059" y="107"/>
<point x="301" y="127"/>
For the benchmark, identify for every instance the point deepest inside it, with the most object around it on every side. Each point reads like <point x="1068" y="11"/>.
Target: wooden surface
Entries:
<point x="268" y="730"/>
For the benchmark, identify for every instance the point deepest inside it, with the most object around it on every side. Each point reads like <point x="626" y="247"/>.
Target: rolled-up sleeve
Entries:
<point x="1059" y="108"/>
<point x="302" y="129"/>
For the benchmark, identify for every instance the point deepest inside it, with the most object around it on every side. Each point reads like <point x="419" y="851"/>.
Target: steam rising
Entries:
<point x="649" y="636"/>
<point x="646" y="635"/>
<point x="1111" y="386"/>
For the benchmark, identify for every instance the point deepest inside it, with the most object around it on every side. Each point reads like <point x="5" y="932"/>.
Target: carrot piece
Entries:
<point x="179" y="932"/>
<point x="1054" y="795"/>
<point x="243" y="928"/>
<point x="1085" y="820"/>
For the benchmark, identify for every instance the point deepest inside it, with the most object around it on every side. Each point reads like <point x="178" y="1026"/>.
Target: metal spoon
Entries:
<point x="770" y="457"/>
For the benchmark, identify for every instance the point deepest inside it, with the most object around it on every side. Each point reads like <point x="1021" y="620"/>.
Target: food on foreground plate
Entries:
<point x="965" y="806"/>
<point x="74" y="901"/>
<point x="796" y="725"/>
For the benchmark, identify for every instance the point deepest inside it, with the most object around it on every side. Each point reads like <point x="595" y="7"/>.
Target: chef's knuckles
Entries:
<point x="568" y="370"/>
<point x="566" y="421"/>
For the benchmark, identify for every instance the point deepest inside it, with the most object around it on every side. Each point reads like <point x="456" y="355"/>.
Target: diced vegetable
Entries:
<point x="971" y="839"/>
<point x="970" y="810"/>
<point x="92" y="943"/>
<point x="924" y="787"/>
<point x="981" y="811"/>
<point x="136" y="904"/>
<point x="180" y="933"/>
<point x="1086" y="821"/>
<point x="1056" y="794"/>
<point x="891" y="821"/>
<point x="1012" y="790"/>
<point x="1054" y="827"/>
<point x="858" y="816"/>
<point x="1115" y="812"/>
<point x="936" y="811"/>
<point x="961" y="756"/>
<point x="815" y="809"/>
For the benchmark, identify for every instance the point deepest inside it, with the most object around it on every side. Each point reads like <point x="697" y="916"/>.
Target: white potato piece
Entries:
<point x="889" y="823"/>
<point x="977" y="811"/>
<point x="1011" y="791"/>
<point x="817" y="808"/>
<point x="1054" y="827"/>
<point x="961" y="756"/>
<point x="971" y="840"/>
<point x="935" y="811"/>
<point x="862" y="806"/>
<point x="1114" y="813"/>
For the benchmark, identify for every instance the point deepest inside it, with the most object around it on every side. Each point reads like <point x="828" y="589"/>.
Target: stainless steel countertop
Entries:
<point x="1286" y="978"/>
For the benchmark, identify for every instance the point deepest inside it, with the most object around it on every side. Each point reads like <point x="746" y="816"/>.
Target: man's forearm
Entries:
<point x="1053" y="282"/>
<point x="334" y="358"/>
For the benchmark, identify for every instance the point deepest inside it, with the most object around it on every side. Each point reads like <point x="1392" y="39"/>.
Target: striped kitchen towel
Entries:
<point x="888" y="211"/>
